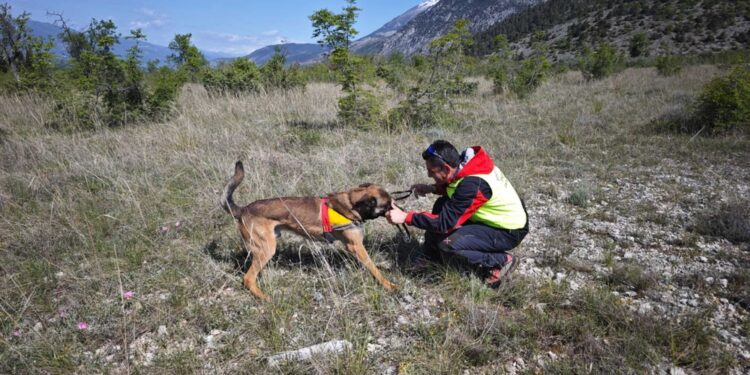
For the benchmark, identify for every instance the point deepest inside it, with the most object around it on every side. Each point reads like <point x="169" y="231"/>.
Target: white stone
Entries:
<point x="162" y="331"/>
<point x="724" y="283"/>
<point x="709" y="280"/>
<point x="645" y="308"/>
<point x="335" y="346"/>
<point x="703" y="259"/>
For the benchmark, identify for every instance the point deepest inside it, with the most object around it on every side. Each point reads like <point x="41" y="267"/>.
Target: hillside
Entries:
<point x="118" y="259"/>
<point x="416" y="35"/>
<point x="674" y="26"/>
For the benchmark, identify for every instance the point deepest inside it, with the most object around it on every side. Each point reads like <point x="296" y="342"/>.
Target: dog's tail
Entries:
<point x="226" y="198"/>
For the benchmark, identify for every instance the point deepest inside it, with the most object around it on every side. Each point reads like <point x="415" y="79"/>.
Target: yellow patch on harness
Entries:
<point x="336" y="218"/>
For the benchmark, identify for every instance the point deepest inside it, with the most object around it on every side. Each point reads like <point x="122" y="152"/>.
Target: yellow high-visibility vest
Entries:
<point x="504" y="209"/>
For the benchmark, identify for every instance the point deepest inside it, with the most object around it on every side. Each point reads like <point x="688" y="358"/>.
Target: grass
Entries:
<point x="82" y="218"/>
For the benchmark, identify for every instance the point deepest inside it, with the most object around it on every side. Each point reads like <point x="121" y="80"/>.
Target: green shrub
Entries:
<point x="275" y="76"/>
<point x="668" y="65"/>
<point x="163" y="85"/>
<point x="600" y="63"/>
<point x="638" y="45"/>
<point x="241" y="75"/>
<point x="579" y="198"/>
<point x="724" y="103"/>
<point x="532" y="73"/>
<point x="360" y="109"/>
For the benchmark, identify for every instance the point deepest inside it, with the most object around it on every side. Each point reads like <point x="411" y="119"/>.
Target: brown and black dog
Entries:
<point x="260" y="222"/>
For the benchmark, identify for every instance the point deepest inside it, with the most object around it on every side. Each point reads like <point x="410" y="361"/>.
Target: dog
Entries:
<point x="260" y="223"/>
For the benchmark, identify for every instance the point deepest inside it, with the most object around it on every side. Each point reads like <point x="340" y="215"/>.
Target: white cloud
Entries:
<point x="236" y="44"/>
<point x="149" y="19"/>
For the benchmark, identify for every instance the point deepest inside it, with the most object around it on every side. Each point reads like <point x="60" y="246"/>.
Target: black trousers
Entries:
<point x="473" y="244"/>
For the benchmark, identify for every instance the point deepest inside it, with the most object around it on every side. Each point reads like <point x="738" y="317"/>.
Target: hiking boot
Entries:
<point x="497" y="276"/>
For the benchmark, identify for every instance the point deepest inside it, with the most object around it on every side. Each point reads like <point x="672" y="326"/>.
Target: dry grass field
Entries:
<point x="121" y="229"/>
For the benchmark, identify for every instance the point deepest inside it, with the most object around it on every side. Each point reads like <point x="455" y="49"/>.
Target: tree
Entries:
<point x="20" y="52"/>
<point x="638" y="45"/>
<point x="336" y="31"/>
<point x="186" y="56"/>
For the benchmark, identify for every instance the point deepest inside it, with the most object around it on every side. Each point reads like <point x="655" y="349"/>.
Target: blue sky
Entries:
<point x="235" y="27"/>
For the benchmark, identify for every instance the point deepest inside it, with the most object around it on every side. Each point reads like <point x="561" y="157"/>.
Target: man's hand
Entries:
<point x="395" y="215"/>
<point x="420" y="190"/>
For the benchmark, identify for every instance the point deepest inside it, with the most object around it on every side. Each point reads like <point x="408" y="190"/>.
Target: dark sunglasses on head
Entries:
<point x="430" y="152"/>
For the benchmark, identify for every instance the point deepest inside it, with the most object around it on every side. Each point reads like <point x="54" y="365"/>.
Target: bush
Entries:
<point x="275" y="76"/>
<point x="724" y="103"/>
<point x="532" y="73"/>
<point x="360" y="109"/>
<point x="638" y="45"/>
<point x="667" y="65"/>
<point x="600" y="63"/>
<point x="241" y="75"/>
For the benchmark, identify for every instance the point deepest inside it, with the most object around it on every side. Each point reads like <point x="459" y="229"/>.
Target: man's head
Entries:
<point x="441" y="160"/>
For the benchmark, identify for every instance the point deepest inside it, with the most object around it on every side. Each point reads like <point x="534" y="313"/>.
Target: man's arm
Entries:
<point x="470" y="194"/>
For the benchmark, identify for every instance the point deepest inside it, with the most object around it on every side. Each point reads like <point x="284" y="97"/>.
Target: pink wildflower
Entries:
<point x="83" y="325"/>
<point x="128" y="295"/>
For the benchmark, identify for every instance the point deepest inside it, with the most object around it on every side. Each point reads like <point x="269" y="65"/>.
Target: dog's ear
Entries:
<point x="365" y="185"/>
<point x="342" y="203"/>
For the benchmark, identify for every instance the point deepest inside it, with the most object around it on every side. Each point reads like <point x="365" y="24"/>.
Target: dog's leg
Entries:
<point x="261" y="242"/>
<point x="353" y="240"/>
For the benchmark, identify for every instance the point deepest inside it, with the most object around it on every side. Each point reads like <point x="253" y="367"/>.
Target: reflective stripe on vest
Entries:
<point x="504" y="209"/>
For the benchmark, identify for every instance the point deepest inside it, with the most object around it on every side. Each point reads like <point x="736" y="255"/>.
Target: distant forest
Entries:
<point x="593" y="20"/>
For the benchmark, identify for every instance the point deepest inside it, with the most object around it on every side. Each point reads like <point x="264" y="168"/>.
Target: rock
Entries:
<point x="574" y="286"/>
<point x="693" y="302"/>
<point x="724" y="283"/>
<point x="402" y="320"/>
<point x="162" y="331"/>
<point x="709" y="280"/>
<point x="335" y="346"/>
<point x="645" y="308"/>
<point x="703" y="259"/>
<point x="677" y="371"/>
<point x="552" y="356"/>
<point x="628" y="256"/>
<point x="38" y="327"/>
<point x="317" y="296"/>
<point x="539" y="307"/>
<point x="407" y="298"/>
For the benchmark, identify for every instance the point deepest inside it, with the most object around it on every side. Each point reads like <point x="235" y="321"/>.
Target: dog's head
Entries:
<point x="370" y="201"/>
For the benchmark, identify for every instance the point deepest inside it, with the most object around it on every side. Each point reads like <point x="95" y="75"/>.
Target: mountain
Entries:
<point x="307" y="53"/>
<point x="149" y="51"/>
<point x="296" y="53"/>
<point x="437" y="19"/>
<point x="668" y="26"/>
<point x="373" y="42"/>
<point x="412" y="31"/>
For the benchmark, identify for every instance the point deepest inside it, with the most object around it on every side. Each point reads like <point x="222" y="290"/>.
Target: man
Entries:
<point x="478" y="218"/>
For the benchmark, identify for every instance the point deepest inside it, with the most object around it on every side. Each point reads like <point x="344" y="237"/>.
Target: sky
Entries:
<point x="233" y="27"/>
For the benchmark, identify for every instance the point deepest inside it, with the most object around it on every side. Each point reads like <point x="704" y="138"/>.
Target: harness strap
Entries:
<point x="333" y="221"/>
<point x="324" y="218"/>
